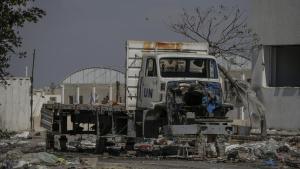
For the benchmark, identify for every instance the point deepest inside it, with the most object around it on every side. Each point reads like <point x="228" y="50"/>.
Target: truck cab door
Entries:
<point x="149" y="84"/>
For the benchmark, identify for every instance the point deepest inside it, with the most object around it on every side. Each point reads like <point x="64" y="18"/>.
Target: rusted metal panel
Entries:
<point x="162" y="45"/>
<point x="47" y="119"/>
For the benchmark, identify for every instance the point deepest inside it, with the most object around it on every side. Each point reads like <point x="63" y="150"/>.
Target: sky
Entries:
<point x="77" y="34"/>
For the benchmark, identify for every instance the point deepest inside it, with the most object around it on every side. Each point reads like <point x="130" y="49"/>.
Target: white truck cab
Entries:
<point x="158" y="69"/>
<point x="138" y="53"/>
<point x="172" y="85"/>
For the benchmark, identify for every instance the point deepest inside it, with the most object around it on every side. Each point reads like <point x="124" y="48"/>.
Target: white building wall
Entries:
<point x="15" y="104"/>
<point x="277" y="22"/>
<point x="282" y="103"/>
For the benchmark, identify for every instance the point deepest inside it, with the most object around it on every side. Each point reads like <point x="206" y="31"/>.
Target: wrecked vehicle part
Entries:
<point x="196" y="106"/>
<point x="264" y="150"/>
<point x="69" y="125"/>
<point x="192" y="99"/>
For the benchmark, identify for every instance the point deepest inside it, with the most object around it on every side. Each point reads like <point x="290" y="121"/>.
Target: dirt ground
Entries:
<point x="173" y="164"/>
<point x="109" y="162"/>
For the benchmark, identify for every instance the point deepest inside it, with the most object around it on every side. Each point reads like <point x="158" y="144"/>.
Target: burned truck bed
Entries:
<point x="68" y="120"/>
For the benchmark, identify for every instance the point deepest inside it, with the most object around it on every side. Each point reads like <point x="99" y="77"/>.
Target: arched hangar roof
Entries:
<point x="95" y="75"/>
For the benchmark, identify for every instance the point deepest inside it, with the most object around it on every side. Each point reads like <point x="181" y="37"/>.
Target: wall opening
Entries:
<point x="282" y="65"/>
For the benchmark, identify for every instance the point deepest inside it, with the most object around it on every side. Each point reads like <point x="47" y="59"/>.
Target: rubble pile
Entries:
<point x="177" y="148"/>
<point x="23" y="150"/>
<point x="271" y="151"/>
<point x="82" y="142"/>
<point x="17" y="159"/>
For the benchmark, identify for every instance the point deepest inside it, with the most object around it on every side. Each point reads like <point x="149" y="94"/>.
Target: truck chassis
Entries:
<point x="109" y="123"/>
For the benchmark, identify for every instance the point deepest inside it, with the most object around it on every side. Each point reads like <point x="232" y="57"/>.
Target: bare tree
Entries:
<point x="224" y="29"/>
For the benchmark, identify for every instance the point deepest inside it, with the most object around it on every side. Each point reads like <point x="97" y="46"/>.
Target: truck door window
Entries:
<point x="151" y="68"/>
<point x="213" y="69"/>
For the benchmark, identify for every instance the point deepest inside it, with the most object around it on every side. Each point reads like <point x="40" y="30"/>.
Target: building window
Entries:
<point x="71" y="100"/>
<point x="282" y="65"/>
<point x="80" y="99"/>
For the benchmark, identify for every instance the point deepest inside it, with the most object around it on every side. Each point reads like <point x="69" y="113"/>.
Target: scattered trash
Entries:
<point x="270" y="162"/>
<point x="211" y="150"/>
<point x="48" y="158"/>
<point x="91" y="162"/>
<point x="3" y="144"/>
<point x="21" y="164"/>
<point x="293" y="163"/>
<point x="23" y="135"/>
<point x="87" y="144"/>
<point x="19" y="152"/>
<point x="14" y="155"/>
<point x="271" y="151"/>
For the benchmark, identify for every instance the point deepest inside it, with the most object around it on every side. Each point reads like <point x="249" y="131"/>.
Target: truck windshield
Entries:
<point x="188" y="67"/>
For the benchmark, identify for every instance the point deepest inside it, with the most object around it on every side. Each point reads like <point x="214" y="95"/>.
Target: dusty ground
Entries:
<point x="102" y="162"/>
<point x="173" y="164"/>
<point x="30" y="153"/>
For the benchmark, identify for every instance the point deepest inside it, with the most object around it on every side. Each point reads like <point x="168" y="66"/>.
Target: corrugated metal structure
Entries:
<point x="15" y="104"/>
<point x="91" y="85"/>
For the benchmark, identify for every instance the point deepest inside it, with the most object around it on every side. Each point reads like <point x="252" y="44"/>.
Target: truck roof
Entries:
<point x="168" y="46"/>
<point x="185" y="55"/>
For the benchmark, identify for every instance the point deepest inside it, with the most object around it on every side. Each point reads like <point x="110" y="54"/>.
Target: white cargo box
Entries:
<point x="136" y="50"/>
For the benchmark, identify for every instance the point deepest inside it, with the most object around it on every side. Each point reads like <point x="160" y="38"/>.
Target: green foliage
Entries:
<point x="4" y="134"/>
<point x="13" y="15"/>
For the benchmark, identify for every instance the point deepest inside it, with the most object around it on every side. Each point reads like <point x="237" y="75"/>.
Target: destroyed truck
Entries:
<point x="172" y="89"/>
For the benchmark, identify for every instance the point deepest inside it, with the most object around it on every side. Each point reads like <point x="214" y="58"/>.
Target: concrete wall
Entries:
<point x="277" y="22"/>
<point x="282" y="103"/>
<point x="15" y="104"/>
<point x="40" y="98"/>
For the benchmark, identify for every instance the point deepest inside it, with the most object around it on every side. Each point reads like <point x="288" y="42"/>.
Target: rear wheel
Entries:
<point x="154" y="122"/>
<point x="49" y="140"/>
<point x="100" y="145"/>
